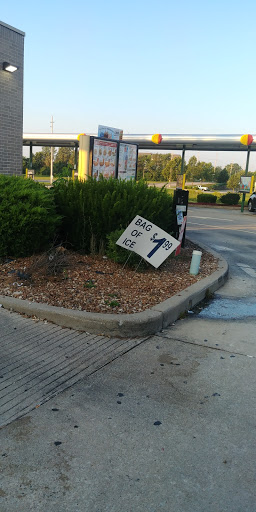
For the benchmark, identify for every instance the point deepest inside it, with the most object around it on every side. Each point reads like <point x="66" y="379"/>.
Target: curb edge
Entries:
<point x="146" y="323"/>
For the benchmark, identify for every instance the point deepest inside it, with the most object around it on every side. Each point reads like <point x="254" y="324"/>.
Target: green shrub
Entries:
<point x="206" y="198"/>
<point x="28" y="217"/>
<point x="92" y="209"/>
<point x="219" y="186"/>
<point x="230" y="198"/>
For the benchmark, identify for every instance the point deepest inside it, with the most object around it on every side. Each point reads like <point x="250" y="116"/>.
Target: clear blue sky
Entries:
<point x="143" y="66"/>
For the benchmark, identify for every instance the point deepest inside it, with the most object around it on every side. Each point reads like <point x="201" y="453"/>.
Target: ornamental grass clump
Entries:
<point x="28" y="219"/>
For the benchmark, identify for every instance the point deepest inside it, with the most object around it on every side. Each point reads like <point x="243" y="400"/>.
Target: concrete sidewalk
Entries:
<point x="169" y="426"/>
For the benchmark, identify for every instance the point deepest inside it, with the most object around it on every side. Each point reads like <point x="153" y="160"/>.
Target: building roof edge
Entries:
<point x="12" y="28"/>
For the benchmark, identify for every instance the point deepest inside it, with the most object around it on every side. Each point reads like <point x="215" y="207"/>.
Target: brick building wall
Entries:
<point x="11" y="100"/>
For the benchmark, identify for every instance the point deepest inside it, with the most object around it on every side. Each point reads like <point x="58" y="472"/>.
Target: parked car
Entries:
<point x="252" y="202"/>
<point x="203" y="188"/>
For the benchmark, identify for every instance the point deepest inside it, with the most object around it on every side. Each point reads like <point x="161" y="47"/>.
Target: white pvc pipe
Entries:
<point x="195" y="262"/>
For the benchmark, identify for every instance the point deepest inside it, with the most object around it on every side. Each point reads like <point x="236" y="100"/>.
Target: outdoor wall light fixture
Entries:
<point x="9" y="67"/>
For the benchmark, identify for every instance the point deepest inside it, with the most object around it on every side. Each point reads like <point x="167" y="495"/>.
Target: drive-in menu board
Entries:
<point x="127" y="161"/>
<point x="104" y="159"/>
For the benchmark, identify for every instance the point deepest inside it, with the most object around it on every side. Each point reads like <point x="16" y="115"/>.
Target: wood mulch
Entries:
<point x="95" y="283"/>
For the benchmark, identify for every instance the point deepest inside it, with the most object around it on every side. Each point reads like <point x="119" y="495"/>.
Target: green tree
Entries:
<point x="221" y="175"/>
<point x="38" y="161"/>
<point x="25" y="164"/>
<point x="143" y="167"/>
<point x="205" y="171"/>
<point x="191" y="168"/>
<point x="217" y="170"/>
<point x="234" y="180"/>
<point x="233" y="168"/>
<point x="46" y="152"/>
<point x="156" y="166"/>
<point x="64" y="162"/>
<point x="172" y="168"/>
<point x="65" y="155"/>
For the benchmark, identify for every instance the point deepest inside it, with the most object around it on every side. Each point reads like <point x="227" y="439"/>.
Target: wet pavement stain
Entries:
<point x="185" y="367"/>
<point x="20" y="429"/>
<point x="167" y="359"/>
<point x="229" y="309"/>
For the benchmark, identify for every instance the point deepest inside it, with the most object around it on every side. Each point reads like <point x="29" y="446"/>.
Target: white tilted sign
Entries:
<point x="147" y="240"/>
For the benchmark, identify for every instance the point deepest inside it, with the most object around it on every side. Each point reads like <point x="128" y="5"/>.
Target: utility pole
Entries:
<point x="51" y="173"/>
<point x="216" y="160"/>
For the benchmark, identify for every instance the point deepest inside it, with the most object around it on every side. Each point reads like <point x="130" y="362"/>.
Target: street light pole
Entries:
<point x="51" y="173"/>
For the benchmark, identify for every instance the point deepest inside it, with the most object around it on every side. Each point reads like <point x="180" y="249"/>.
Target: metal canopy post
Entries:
<point x="76" y="157"/>
<point x="183" y="160"/>
<point x="246" y="172"/>
<point x="30" y="155"/>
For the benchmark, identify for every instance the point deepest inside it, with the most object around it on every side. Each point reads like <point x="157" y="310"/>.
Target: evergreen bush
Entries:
<point x="206" y="198"/>
<point x="28" y="217"/>
<point x="230" y="198"/>
<point x="219" y="186"/>
<point x="92" y="209"/>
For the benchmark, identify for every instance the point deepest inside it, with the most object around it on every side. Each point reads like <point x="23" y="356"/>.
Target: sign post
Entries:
<point x="246" y="172"/>
<point x="246" y="140"/>
<point x="182" y="229"/>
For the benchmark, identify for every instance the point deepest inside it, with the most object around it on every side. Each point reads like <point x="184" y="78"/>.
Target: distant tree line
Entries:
<point x="151" y="167"/>
<point x="63" y="162"/>
<point x="165" y="167"/>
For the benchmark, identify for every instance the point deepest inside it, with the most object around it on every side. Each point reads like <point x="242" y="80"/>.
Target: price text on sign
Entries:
<point x="148" y="240"/>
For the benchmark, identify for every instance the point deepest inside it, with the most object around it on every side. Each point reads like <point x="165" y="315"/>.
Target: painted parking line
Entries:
<point x="222" y="248"/>
<point x="210" y="218"/>
<point x="220" y="228"/>
<point x="247" y="269"/>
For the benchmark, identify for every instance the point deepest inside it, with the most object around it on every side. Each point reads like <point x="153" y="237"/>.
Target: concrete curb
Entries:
<point x="145" y="323"/>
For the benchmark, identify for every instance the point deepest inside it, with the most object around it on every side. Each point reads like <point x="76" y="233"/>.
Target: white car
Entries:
<point x="203" y="188"/>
